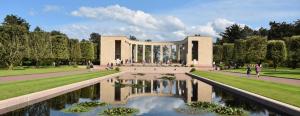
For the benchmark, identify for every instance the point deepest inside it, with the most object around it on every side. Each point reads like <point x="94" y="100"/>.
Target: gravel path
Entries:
<point x="265" y="78"/>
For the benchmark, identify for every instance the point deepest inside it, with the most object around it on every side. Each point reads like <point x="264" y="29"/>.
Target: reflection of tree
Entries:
<point x="39" y="109"/>
<point x="87" y="92"/>
<point x="18" y="112"/>
<point x="165" y="83"/>
<point x="73" y="97"/>
<point x="59" y="102"/>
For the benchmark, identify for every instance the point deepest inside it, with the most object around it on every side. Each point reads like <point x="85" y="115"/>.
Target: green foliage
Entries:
<point x="192" y="70"/>
<point x="76" y="109"/>
<point x="13" y="40"/>
<point x="117" y="69"/>
<point x="256" y="49"/>
<point x="228" y="53"/>
<point x="84" y="106"/>
<point x="235" y="32"/>
<point x="95" y="39"/>
<point x="120" y="111"/>
<point x="280" y="30"/>
<point x="211" y="107"/>
<point x="87" y="50"/>
<point x="218" y="53"/>
<point x="74" y="50"/>
<point x="240" y="52"/>
<point x="293" y="48"/>
<point x="276" y="51"/>
<point x="60" y="47"/>
<point x="40" y="46"/>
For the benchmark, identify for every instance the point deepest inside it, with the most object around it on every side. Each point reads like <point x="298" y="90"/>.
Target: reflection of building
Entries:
<point x="189" y="90"/>
<point x="195" y="50"/>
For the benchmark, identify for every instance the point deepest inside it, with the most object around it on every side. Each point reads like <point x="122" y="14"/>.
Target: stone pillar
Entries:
<point x="143" y="86"/>
<point x="178" y="52"/>
<point x="135" y="89"/>
<point x="136" y="53"/>
<point x="161" y="53"/>
<point x="151" y="86"/>
<point x="188" y="91"/>
<point x="152" y="54"/>
<point x="160" y="86"/>
<point x="131" y="45"/>
<point x="170" y="53"/>
<point x="143" y="53"/>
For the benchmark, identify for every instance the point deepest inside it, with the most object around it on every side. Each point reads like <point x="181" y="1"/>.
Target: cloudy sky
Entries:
<point x="149" y="19"/>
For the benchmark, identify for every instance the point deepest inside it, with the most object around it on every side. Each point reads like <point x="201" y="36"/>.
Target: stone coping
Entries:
<point x="14" y="103"/>
<point x="284" y="107"/>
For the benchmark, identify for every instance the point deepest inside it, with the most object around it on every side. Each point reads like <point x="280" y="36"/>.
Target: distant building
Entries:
<point x="193" y="50"/>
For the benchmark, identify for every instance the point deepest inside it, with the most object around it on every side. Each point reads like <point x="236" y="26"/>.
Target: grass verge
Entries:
<point x="36" y="70"/>
<point x="13" y="89"/>
<point x="285" y="93"/>
<point x="280" y="72"/>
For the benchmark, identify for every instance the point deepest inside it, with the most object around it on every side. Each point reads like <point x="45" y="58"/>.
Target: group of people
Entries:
<point x="257" y="70"/>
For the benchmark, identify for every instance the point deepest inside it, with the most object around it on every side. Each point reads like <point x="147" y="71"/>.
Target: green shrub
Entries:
<point x="76" y="109"/>
<point x="192" y="70"/>
<point x="117" y="69"/>
<point x="192" y="65"/>
<point x="119" y="111"/>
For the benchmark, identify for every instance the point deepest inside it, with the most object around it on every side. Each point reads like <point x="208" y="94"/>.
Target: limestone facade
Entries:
<point x="196" y="50"/>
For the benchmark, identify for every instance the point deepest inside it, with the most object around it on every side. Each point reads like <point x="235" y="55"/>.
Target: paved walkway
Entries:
<point x="38" y="76"/>
<point x="265" y="78"/>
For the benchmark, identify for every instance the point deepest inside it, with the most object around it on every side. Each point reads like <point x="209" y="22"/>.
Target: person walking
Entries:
<point x="257" y="70"/>
<point x="248" y="71"/>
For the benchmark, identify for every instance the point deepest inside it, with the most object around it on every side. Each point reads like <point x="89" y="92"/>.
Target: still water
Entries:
<point x="155" y="97"/>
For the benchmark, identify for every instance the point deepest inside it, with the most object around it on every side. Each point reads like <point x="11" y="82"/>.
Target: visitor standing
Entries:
<point x="248" y="71"/>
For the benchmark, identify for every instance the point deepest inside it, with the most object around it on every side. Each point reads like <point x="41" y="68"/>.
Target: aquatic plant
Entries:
<point x="91" y="104"/>
<point x="197" y="107"/>
<point x="84" y="106"/>
<point x="119" y="111"/>
<point x="76" y="109"/>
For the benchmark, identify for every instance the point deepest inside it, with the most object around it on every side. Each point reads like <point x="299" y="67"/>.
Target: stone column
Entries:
<point x="161" y="53"/>
<point x="143" y="53"/>
<point x="135" y="89"/>
<point x="152" y="54"/>
<point x="151" y="86"/>
<point x="136" y="53"/>
<point x="178" y="52"/>
<point x="131" y="45"/>
<point x="160" y="86"/>
<point x="170" y="53"/>
<point x="143" y="86"/>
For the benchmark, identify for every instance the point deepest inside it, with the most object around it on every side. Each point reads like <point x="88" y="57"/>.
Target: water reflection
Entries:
<point x="152" y="95"/>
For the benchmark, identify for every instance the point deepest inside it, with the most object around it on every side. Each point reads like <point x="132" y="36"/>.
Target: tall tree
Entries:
<point x="297" y="27"/>
<point x="217" y="53"/>
<point x="87" y="50"/>
<point x="293" y="48"/>
<point x="280" y="30"/>
<point x="228" y="53"/>
<point x="233" y="33"/>
<point x="131" y="37"/>
<point x="60" y="48"/>
<point x="256" y="49"/>
<point x="13" y="40"/>
<point x="276" y="51"/>
<point x="239" y="52"/>
<point x="74" y="50"/>
<point x="40" y="45"/>
<point x="262" y="32"/>
<point x="95" y="38"/>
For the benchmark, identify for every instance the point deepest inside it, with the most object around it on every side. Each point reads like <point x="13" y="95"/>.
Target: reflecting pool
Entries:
<point x="152" y="94"/>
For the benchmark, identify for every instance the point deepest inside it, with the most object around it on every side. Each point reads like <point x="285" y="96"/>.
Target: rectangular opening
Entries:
<point x="117" y="49"/>
<point x="195" y="50"/>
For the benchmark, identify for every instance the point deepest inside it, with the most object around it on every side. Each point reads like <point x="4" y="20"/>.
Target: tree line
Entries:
<point x="277" y="46"/>
<point x="19" y="46"/>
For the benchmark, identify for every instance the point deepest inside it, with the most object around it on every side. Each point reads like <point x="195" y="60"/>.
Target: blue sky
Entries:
<point x="149" y="19"/>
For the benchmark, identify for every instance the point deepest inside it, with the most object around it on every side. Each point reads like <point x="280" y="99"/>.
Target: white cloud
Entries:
<point x="118" y="20"/>
<point x="51" y="8"/>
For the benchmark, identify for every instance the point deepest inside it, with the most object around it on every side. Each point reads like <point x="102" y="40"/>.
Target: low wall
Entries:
<point x="283" y="107"/>
<point x="14" y="103"/>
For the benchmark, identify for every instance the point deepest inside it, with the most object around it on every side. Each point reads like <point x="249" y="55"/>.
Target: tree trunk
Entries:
<point x="10" y="67"/>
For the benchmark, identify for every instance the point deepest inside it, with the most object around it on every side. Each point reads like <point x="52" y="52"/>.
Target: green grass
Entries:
<point x="13" y="89"/>
<point x="36" y="70"/>
<point x="280" y="72"/>
<point x="285" y="93"/>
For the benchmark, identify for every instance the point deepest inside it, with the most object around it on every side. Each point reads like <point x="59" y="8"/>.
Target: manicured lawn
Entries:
<point x="285" y="93"/>
<point x="280" y="72"/>
<point x="13" y="89"/>
<point x="36" y="70"/>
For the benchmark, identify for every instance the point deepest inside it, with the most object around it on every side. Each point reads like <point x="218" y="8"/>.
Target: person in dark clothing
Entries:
<point x="248" y="71"/>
